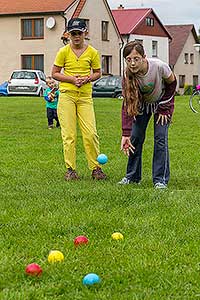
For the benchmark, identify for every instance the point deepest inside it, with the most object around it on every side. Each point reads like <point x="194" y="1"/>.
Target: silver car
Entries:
<point x="27" y="82"/>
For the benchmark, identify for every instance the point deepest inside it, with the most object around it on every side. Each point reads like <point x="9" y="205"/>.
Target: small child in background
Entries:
<point x="51" y="95"/>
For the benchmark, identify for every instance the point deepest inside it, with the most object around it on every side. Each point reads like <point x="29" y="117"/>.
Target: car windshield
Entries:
<point x="115" y="81"/>
<point x="23" y="75"/>
<point x="112" y="81"/>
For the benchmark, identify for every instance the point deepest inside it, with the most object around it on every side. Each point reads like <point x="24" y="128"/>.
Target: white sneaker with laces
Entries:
<point x="160" y="185"/>
<point x="124" y="181"/>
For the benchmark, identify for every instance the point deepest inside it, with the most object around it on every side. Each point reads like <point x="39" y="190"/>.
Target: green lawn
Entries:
<point x="159" y="257"/>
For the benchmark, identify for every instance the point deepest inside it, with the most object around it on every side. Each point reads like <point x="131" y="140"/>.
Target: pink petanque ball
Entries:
<point x="33" y="270"/>
<point x="81" y="240"/>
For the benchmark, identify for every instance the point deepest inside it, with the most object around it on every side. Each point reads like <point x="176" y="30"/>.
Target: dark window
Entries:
<point x="104" y="30"/>
<point x="32" y="28"/>
<point x="139" y="41"/>
<point x="154" y="48"/>
<point x="87" y="22"/>
<point x="33" y="62"/>
<point x="149" y="21"/>
<point x="186" y="58"/>
<point x="181" y="81"/>
<point x="106" y="64"/>
<point x="195" y="80"/>
<point x="191" y="58"/>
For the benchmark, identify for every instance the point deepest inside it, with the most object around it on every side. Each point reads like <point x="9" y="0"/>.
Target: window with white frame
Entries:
<point x="106" y="64"/>
<point x="32" y="28"/>
<point x="104" y="30"/>
<point x="33" y="62"/>
<point x="149" y="21"/>
<point x="154" y="49"/>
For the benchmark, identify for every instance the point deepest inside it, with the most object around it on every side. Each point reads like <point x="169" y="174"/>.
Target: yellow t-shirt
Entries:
<point x="74" y="65"/>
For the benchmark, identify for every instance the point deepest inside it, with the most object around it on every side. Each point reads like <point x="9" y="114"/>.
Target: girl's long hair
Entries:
<point x="131" y="89"/>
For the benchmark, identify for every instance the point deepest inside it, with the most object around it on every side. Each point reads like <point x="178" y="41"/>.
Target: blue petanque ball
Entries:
<point x="102" y="159"/>
<point x="91" y="279"/>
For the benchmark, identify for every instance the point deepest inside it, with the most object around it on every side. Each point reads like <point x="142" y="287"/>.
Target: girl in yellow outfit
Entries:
<point x="77" y="60"/>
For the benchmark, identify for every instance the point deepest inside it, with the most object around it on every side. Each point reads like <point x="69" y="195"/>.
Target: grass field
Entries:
<point x="159" y="257"/>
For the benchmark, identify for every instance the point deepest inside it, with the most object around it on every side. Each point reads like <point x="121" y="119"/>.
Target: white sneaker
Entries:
<point x="160" y="185"/>
<point x="124" y="181"/>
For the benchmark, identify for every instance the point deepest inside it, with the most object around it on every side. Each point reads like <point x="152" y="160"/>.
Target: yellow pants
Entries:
<point x="73" y="106"/>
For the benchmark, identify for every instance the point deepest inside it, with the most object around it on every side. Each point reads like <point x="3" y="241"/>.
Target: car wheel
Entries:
<point x="119" y="96"/>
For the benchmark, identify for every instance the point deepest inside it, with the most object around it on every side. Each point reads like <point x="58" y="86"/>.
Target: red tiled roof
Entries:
<point x="179" y="34"/>
<point x="8" y="7"/>
<point x="128" y="19"/>
<point x="79" y="8"/>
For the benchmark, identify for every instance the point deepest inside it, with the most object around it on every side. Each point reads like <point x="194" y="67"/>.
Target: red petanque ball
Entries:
<point x="33" y="270"/>
<point x="81" y="240"/>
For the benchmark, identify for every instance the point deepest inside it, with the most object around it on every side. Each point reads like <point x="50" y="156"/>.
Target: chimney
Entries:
<point x="120" y="7"/>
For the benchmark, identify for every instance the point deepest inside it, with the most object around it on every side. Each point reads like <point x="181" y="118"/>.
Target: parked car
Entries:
<point x="4" y="89"/>
<point x="27" y="82"/>
<point x="108" y="86"/>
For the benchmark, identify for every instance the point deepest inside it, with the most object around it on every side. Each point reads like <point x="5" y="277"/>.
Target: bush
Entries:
<point x="188" y="89"/>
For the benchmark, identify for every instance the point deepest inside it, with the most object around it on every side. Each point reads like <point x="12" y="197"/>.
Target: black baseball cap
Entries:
<point x="76" y="24"/>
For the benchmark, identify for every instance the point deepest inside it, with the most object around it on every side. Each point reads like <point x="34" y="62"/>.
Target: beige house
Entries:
<point x="184" y="55"/>
<point x="31" y="33"/>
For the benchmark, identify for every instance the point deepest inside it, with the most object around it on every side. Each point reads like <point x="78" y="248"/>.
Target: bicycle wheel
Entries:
<point x="195" y="102"/>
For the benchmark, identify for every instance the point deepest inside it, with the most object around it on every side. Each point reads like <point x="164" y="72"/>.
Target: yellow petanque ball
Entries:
<point x="117" y="236"/>
<point x="55" y="256"/>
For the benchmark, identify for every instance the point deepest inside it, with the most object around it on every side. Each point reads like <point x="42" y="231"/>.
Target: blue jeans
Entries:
<point x="51" y="115"/>
<point x="160" y="167"/>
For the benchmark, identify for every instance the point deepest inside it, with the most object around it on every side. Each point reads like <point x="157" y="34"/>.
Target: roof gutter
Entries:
<point x="65" y="19"/>
<point x="121" y="58"/>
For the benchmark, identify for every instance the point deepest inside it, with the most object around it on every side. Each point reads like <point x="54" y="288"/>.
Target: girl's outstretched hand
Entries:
<point x="163" y="119"/>
<point x="126" y="145"/>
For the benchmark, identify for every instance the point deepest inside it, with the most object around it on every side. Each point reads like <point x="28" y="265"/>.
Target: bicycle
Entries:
<point x="194" y="101"/>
